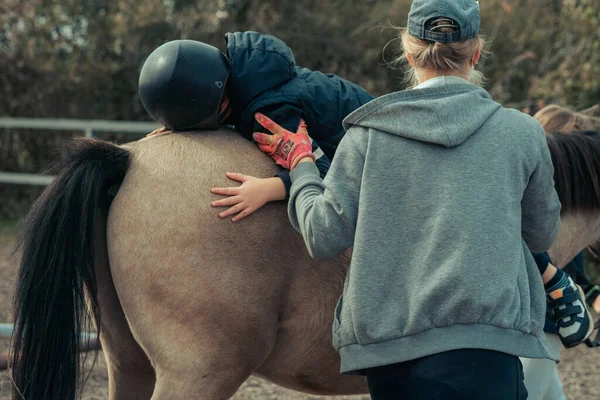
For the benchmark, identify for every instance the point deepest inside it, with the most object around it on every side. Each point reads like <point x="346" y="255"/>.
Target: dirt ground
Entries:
<point x="577" y="369"/>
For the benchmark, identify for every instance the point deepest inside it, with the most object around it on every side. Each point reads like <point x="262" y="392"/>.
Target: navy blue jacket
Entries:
<point x="264" y="78"/>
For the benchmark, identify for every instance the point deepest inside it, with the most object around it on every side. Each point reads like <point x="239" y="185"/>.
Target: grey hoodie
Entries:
<point x="442" y="193"/>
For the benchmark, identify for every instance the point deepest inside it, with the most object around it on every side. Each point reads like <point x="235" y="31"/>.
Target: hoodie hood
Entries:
<point x="444" y="110"/>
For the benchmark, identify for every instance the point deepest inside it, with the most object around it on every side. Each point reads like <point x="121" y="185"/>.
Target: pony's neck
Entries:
<point x="577" y="231"/>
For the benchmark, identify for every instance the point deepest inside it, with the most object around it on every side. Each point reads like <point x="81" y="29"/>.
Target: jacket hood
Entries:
<point x="442" y="110"/>
<point x="258" y="63"/>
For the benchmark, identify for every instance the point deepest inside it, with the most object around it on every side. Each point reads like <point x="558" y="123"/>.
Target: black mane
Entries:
<point x="576" y="160"/>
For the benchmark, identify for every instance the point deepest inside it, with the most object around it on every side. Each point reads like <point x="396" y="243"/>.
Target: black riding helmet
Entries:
<point x="182" y="83"/>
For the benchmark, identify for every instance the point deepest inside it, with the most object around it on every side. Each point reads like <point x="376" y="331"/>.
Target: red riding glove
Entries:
<point x="285" y="147"/>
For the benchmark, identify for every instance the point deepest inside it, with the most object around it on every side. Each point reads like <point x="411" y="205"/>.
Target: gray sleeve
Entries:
<point x="540" y="204"/>
<point x="325" y="212"/>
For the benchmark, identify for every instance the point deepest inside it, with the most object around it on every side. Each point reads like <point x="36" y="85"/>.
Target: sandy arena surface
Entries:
<point x="576" y="369"/>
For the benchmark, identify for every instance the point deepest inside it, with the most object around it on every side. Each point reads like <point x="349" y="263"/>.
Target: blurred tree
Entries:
<point x="90" y="51"/>
<point x="570" y="73"/>
<point x="81" y="58"/>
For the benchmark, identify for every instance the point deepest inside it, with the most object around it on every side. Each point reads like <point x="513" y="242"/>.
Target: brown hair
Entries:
<point x="555" y="118"/>
<point x="445" y="58"/>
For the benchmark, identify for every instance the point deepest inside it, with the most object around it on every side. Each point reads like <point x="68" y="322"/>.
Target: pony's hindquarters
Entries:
<point x="211" y="301"/>
<point x="202" y="295"/>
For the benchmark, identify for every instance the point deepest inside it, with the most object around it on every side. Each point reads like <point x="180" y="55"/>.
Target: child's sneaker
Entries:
<point x="573" y="319"/>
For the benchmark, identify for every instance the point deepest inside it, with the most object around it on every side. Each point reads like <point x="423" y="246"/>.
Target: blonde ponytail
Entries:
<point x="443" y="58"/>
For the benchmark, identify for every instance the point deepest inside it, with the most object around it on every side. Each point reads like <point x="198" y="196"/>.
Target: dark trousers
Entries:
<point x="469" y="374"/>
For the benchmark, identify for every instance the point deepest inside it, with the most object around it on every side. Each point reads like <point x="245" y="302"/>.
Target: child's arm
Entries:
<point x="251" y="195"/>
<point x="322" y="163"/>
<point x="255" y="192"/>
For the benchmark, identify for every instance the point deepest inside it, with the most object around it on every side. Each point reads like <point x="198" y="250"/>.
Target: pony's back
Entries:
<point x="201" y="275"/>
<point x="164" y="207"/>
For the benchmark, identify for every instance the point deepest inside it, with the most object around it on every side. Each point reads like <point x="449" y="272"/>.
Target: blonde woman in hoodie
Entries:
<point x="442" y="193"/>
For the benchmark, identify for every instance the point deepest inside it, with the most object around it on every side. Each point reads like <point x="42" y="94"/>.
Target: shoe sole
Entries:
<point x="590" y="318"/>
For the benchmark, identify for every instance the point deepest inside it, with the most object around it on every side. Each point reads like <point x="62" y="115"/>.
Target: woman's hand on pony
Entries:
<point x="251" y="195"/>
<point x="285" y="147"/>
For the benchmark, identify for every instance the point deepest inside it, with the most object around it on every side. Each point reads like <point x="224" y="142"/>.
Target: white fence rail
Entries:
<point x="6" y="330"/>
<point x="88" y="127"/>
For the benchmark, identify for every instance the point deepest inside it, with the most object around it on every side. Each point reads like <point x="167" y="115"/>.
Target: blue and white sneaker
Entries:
<point x="571" y="315"/>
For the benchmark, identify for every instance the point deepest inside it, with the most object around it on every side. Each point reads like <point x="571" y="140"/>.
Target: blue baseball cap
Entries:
<point x="461" y="14"/>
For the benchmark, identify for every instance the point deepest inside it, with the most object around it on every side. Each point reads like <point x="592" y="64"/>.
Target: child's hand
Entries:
<point x="251" y="195"/>
<point x="157" y="131"/>
<point x="285" y="147"/>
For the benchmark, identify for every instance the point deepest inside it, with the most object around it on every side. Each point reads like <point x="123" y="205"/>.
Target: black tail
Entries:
<point x="57" y="271"/>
